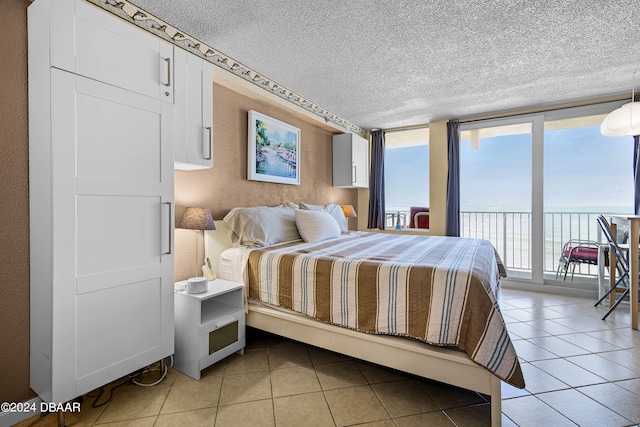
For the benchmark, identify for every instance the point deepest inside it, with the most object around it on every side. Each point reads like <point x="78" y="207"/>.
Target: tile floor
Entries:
<point x="579" y="370"/>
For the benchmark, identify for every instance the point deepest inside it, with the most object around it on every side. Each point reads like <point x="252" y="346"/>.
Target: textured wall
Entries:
<point x="14" y="204"/>
<point x="226" y="186"/>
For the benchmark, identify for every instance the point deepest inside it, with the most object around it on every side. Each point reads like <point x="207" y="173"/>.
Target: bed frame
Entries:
<point x="437" y="363"/>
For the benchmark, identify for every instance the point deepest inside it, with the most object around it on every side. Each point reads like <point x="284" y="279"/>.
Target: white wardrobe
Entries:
<point x="101" y="147"/>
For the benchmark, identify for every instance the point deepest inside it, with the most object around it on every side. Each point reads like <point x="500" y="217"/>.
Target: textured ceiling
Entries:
<point x="383" y="64"/>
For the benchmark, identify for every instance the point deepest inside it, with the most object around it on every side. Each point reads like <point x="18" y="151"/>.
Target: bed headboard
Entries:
<point x="216" y="241"/>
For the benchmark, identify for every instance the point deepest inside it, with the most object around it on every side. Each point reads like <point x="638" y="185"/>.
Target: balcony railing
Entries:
<point x="510" y="232"/>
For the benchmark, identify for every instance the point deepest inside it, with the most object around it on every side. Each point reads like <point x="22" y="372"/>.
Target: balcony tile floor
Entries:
<point x="579" y="370"/>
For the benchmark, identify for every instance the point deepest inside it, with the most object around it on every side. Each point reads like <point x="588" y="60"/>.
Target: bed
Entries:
<point x="426" y="305"/>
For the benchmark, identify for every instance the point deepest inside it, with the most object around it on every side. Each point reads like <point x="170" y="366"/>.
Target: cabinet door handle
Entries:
<point x="168" y="228"/>
<point x="355" y="174"/>
<point x="207" y="144"/>
<point x="224" y="322"/>
<point x="168" y="61"/>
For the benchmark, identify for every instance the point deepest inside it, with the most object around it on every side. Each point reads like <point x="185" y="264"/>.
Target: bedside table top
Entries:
<point x="214" y="288"/>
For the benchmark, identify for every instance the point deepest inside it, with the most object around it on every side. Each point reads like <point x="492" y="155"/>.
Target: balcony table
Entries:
<point x="633" y="222"/>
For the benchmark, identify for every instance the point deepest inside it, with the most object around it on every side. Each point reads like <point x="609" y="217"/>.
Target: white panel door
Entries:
<point x="91" y="42"/>
<point x="193" y="111"/>
<point x="360" y="153"/>
<point x="112" y="156"/>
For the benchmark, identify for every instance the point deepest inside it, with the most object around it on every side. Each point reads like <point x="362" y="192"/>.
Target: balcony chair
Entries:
<point x="576" y="252"/>
<point x="419" y="217"/>
<point x="622" y="266"/>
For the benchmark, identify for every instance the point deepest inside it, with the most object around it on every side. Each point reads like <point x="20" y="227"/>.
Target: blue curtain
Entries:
<point x="636" y="170"/>
<point x="452" y="227"/>
<point x="376" y="182"/>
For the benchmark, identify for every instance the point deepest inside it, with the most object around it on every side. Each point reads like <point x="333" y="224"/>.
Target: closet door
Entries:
<point x="112" y="158"/>
<point x="88" y="41"/>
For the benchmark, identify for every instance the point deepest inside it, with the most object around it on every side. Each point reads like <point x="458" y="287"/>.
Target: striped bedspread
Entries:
<point x="439" y="290"/>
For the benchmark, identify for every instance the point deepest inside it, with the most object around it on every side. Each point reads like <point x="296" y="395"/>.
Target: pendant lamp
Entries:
<point x="623" y="121"/>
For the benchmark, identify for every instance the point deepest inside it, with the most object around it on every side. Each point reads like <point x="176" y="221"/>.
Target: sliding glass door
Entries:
<point x="585" y="174"/>
<point x="496" y="189"/>
<point x="532" y="183"/>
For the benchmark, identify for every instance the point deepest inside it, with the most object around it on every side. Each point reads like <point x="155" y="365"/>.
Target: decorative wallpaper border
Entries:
<point x="132" y="13"/>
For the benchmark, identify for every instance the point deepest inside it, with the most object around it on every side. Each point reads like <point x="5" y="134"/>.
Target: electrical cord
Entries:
<point x="129" y="379"/>
<point x="161" y="367"/>
<point x="101" y="391"/>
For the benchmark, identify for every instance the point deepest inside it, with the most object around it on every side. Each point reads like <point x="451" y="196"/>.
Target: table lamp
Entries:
<point x="349" y="212"/>
<point x="197" y="219"/>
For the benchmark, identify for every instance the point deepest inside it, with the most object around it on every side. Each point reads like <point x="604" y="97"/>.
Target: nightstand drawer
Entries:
<point x="226" y="335"/>
<point x="221" y="341"/>
<point x="221" y="332"/>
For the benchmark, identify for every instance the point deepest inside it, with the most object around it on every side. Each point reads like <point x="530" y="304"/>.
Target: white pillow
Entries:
<point x="316" y="225"/>
<point x="334" y="210"/>
<point x="262" y="225"/>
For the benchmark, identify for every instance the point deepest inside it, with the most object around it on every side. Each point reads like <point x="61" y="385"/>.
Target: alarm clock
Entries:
<point x="196" y="285"/>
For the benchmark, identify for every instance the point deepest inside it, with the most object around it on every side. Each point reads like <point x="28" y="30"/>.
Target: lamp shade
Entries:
<point x="197" y="219"/>
<point x="349" y="211"/>
<point x="623" y="121"/>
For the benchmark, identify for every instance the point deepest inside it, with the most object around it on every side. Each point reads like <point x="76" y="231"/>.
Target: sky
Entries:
<point x="585" y="168"/>
<point x="278" y="133"/>
<point x="406" y="177"/>
<point x="582" y="169"/>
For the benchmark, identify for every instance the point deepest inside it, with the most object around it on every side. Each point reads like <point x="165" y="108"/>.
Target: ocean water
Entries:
<point x="511" y="233"/>
<point x="509" y="229"/>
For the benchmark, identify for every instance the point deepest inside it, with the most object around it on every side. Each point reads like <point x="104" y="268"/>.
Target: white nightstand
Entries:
<point x="209" y="326"/>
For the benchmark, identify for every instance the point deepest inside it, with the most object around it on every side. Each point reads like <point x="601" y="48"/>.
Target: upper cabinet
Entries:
<point x="89" y="42"/>
<point x="193" y="111"/>
<point x="350" y="161"/>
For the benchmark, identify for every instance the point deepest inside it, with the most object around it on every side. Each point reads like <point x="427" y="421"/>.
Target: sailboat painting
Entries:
<point x="274" y="150"/>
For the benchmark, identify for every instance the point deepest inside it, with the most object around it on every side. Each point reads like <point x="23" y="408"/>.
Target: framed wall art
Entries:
<point x="274" y="150"/>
